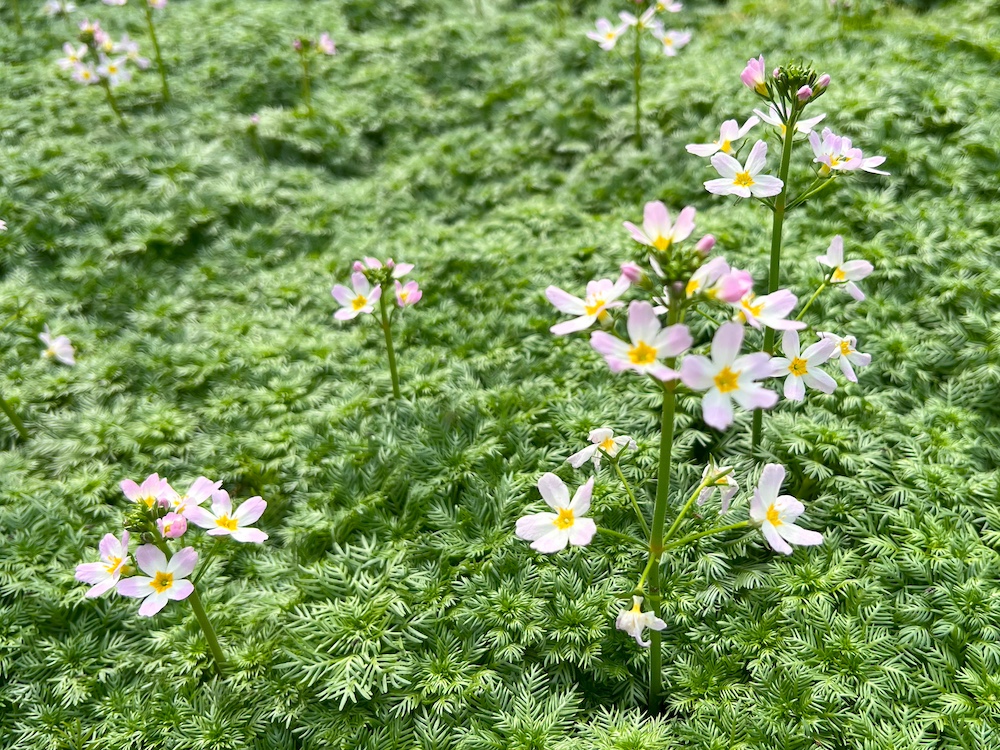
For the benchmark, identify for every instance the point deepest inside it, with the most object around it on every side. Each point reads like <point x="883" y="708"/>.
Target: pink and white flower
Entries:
<point x="130" y="49"/>
<point x="845" y="273"/>
<point x="662" y="6"/>
<point x="607" y="35"/>
<point x="837" y="153"/>
<point x="201" y="489"/>
<point x="408" y="294"/>
<point x="726" y="484"/>
<point x="645" y="21"/>
<point x="753" y="76"/>
<point x="57" y="347"/>
<point x="157" y="4"/>
<point x="649" y="344"/>
<point x="172" y="525"/>
<point x="361" y="300"/>
<point x="399" y="270"/>
<point x="113" y="71"/>
<point x="552" y="532"/>
<point x="776" y="515"/>
<point x="326" y="45"/>
<point x="86" y="74"/>
<point x="717" y="281"/>
<point x="657" y="231"/>
<point x="164" y="581"/>
<point x="726" y="377"/>
<point x="602" y="439"/>
<point x="58" y="7"/>
<point x="153" y="491"/>
<point x="775" y="117"/>
<point x="744" y="181"/>
<point x="673" y="40"/>
<point x="771" y="310"/>
<point x="729" y="134"/>
<point x="801" y="370"/>
<point x="104" y="575"/>
<point x="602" y="295"/>
<point x="634" y="621"/>
<point x="846" y="353"/>
<point x="74" y="56"/>
<point x="220" y="520"/>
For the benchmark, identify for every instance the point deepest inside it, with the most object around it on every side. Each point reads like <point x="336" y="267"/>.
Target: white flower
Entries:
<point x="113" y="70"/>
<point x="602" y="295"/>
<point x="726" y="482"/>
<point x="729" y="133"/>
<point x="58" y="347"/>
<point x="846" y="353"/>
<point x="657" y="231"/>
<point x="744" y="181"/>
<point x="220" y="520"/>
<point x="845" y="273"/>
<point x="606" y="35"/>
<point x="771" y="310"/>
<point x="104" y="575"/>
<point x="361" y="300"/>
<point x="634" y="621"/>
<point x="649" y="343"/>
<point x="603" y="439"/>
<point x="642" y="22"/>
<point x="551" y="532"/>
<point x="776" y="515"/>
<point x="775" y="118"/>
<point x="803" y="370"/>
<point x="673" y="41"/>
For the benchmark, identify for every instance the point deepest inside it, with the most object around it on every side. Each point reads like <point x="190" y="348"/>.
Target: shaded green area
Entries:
<point x="392" y="606"/>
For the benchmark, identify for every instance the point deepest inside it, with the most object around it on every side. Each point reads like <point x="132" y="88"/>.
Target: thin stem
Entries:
<point x="631" y="496"/>
<point x="774" y="273"/>
<point x="637" y="83"/>
<point x="811" y="300"/>
<point x="156" y="50"/>
<point x="623" y="537"/>
<point x="14" y="419"/>
<point x="659" y="517"/>
<point x="686" y="507"/>
<point x="306" y="86"/>
<point x="16" y="5"/>
<point x="699" y="535"/>
<point x="388" y="343"/>
<point x="810" y="193"/>
<point x="209" y="631"/>
<point x="645" y="572"/>
<point x="114" y="103"/>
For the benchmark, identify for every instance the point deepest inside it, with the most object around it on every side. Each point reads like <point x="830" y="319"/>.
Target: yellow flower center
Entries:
<point x="642" y="354"/>
<point x="113" y="564"/>
<point x="761" y="89"/>
<point x="607" y="444"/>
<point x="636" y="608"/>
<point x="845" y="348"/>
<point x="225" y="522"/>
<point x="784" y="128"/>
<point x="661" y="243"/>
<point x="404" y="296"/>
<point x="726" y="380"/>
<point x="162" y="581"/>
<point x="148" y="500"/>
<point x="772" y="516"/>
<point x="797" y="367"/>
<point x="565" y="519"/>
<point x="609" y="36"/>
<point x="726" y="146"/>
<point x="112" y="69"/>
<point x="748" y="306"/>
<point x="358" y="302"/>
<point x="667" y="41"/>
<point x="834" y="161"/>
<point x="743" y="179"/>
<point x="692" y="288"/>
<point x="593" y="305"/>
<point x="839" y="275"/>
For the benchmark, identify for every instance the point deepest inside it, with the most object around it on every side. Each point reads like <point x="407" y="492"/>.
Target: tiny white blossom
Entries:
<point x="634" y="621"/>
<point x="603" y="439"/>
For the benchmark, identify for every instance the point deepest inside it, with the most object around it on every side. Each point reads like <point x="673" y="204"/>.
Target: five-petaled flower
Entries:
<point x="726" y="377"/>
<point x="753" y="76"/>
<point x="57" y="347"/>
<point x="717" y="281"/>
<point x="771" y="310"/>
<point x="130" y="49"/>
<point x="837" y="153"/>
<point x="634" y="621"/>
<point x="673" y="41"/>
<point x="113" y="70"/>
<point x="776" y="515"/>
<point x="847" y="354"/>
<point x="408" y="294"/>
<point x="744" y="181"/>
<point x="729" y="133"/>
<point x="657" y="232"/>
<point x="602" y="439"/>
<point x="776" y="117"/>
<point x="164" y="581"/>
<point x="361" y="300"/>
<point x="221" y="520"/>
<point x="803" y="369"/>
<point x="721" y="477"/>
<point x="152" y="491"/>
<point x="201" y="489"/>
<point x="607" y="35"/>
<point x="845" y="273"/>
<point x="104" y="575"/>
<point x="551" y="532"/>
<point x="602" y="295"/>
<point x="74" y="56"/>
<point x="649" y="343"/>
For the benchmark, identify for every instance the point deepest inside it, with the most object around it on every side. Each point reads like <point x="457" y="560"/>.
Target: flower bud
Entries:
<point x="297" y="45"/>
<point x="390" y="263"/>
<point x="824" y="81"/>
<point x="358" y="267"/>
<point x="632" y="272"/>
<point x="172" y="525"/>
<point x="705" y="244"/>
<point x="776" y="73"/>
<point x="255" y="119"/>
<point x="734" y="285"/>
<point x="805" y="94"/>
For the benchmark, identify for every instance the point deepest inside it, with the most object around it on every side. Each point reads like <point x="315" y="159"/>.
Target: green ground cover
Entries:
<point x="392" y="606"/>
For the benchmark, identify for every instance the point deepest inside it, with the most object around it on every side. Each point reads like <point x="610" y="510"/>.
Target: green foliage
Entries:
<point x="392" y="607"/>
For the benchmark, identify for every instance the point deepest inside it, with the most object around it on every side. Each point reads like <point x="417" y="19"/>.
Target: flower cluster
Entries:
<point x="98" y="59"/>
<point x="608" y="34"/>
<point x="57" y="8"/>
<point x="158" y="515"/>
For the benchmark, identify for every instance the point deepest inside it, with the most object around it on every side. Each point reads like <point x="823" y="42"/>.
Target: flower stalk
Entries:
<point x="14" y="419"/>
<point x="637" y="85"/>
<point x="156" y="50"/>
<point x="387" y="330"/>
<point x="206" y="628"/>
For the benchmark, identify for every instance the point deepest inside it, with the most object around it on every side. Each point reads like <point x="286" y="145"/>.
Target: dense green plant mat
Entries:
<point x="392" y="606"/>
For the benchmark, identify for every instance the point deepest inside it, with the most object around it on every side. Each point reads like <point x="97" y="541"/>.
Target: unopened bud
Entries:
<point x="632" y="272"/>
<point x="705" y="244"/>
<point x="390" y="264"/>
<point x="776" y="72"/>
<point x="297" y="45"/>
<point x="805" y="94"/>
<point x="358" y="267"/>
<point x="824" y="81"/>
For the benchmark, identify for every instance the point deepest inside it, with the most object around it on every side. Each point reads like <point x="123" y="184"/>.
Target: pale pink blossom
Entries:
<point x="803" y="369"/>
<point x="552" y="532"/>
<point x="221" y="520"/>
<point x="804" y="94"/>
<point x="776" y="117"/>
<point x="157" y="4"/>
<point x="57" y="347"/>
<point x="602" y="295"/>
<point x="705" y="244"/>
<point x="837" y="153"/>
<point x="113" y="71"/>
<point x="153" y="491"/>
<point x="847" y="354"/>
<point x="649" y="344"/>
<point x="726" y="376"/>
<point x="602" y="439"/>
<point x="776" y="515"/>
<point x="104" y="575"/>
<point x="771" y="310"/>
<point x="744" y="181"/>
<point x="606" y="35"/>
<point x="164" y="581"/>
<point x="845" y="273"/>
<point x="408" y="294"/>
<point x="729" y="134"/>
<point x="172" y="525"/>
<point x="86" y="74"/>
<point x="634" y="621"/>
<point x="753" y="76"/>
<point x="399" y="270"/>
<point x="633" y="272"/>
<point x="74" y="56"/>
<point x="130" y="49"/>
<point x="717" y="281"/>
<point x="646" y="20"/>
<point x="326" y="45"/>
<point x="657" y="231"/>
<point x="361" y="300"/>
<point x="726" y="485"/>
<point x="673" y="40"/>
<point x="201" y="489"/>
<point x="663" y="6"/>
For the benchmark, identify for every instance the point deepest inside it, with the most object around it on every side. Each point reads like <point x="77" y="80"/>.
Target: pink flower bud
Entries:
<point x="632" y="272"/>
<point x="705" y="244"/>
<point x="776" y="72"/>
<point x="734" y="285"/>
<point x="172" y="525"/>
<point x="255" y="119"/>
<point x="358" y="267"/>
<point x="753" y="75"/>
<point x="390" y="263"/>
<point x="824" y="81"/>
<point x="805" y="93"/>
<point x="297" y="45"/>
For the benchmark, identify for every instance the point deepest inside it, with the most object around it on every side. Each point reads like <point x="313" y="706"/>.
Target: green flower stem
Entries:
<point x="659" y="518"/>
<point x="774" y="273"/>
<point x="14" y="419"/>
<point x="699" y="535"/>
<point x="623" y="537"/>
<point x="209" y="631"/>
<point x="156" y="50"/>
<point x="645" y="573"/>
<point x="16" y="7"/>
<point x="685" y="508"/>
<point x="113" y="103"/>
<point x="810" y="193"/>
<point x="637" y="83"/>
<point x="388" y="342"/>
<point x="811" y="300"/>
<point x="306" y="85"/>
<point x="631" y="496"/>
